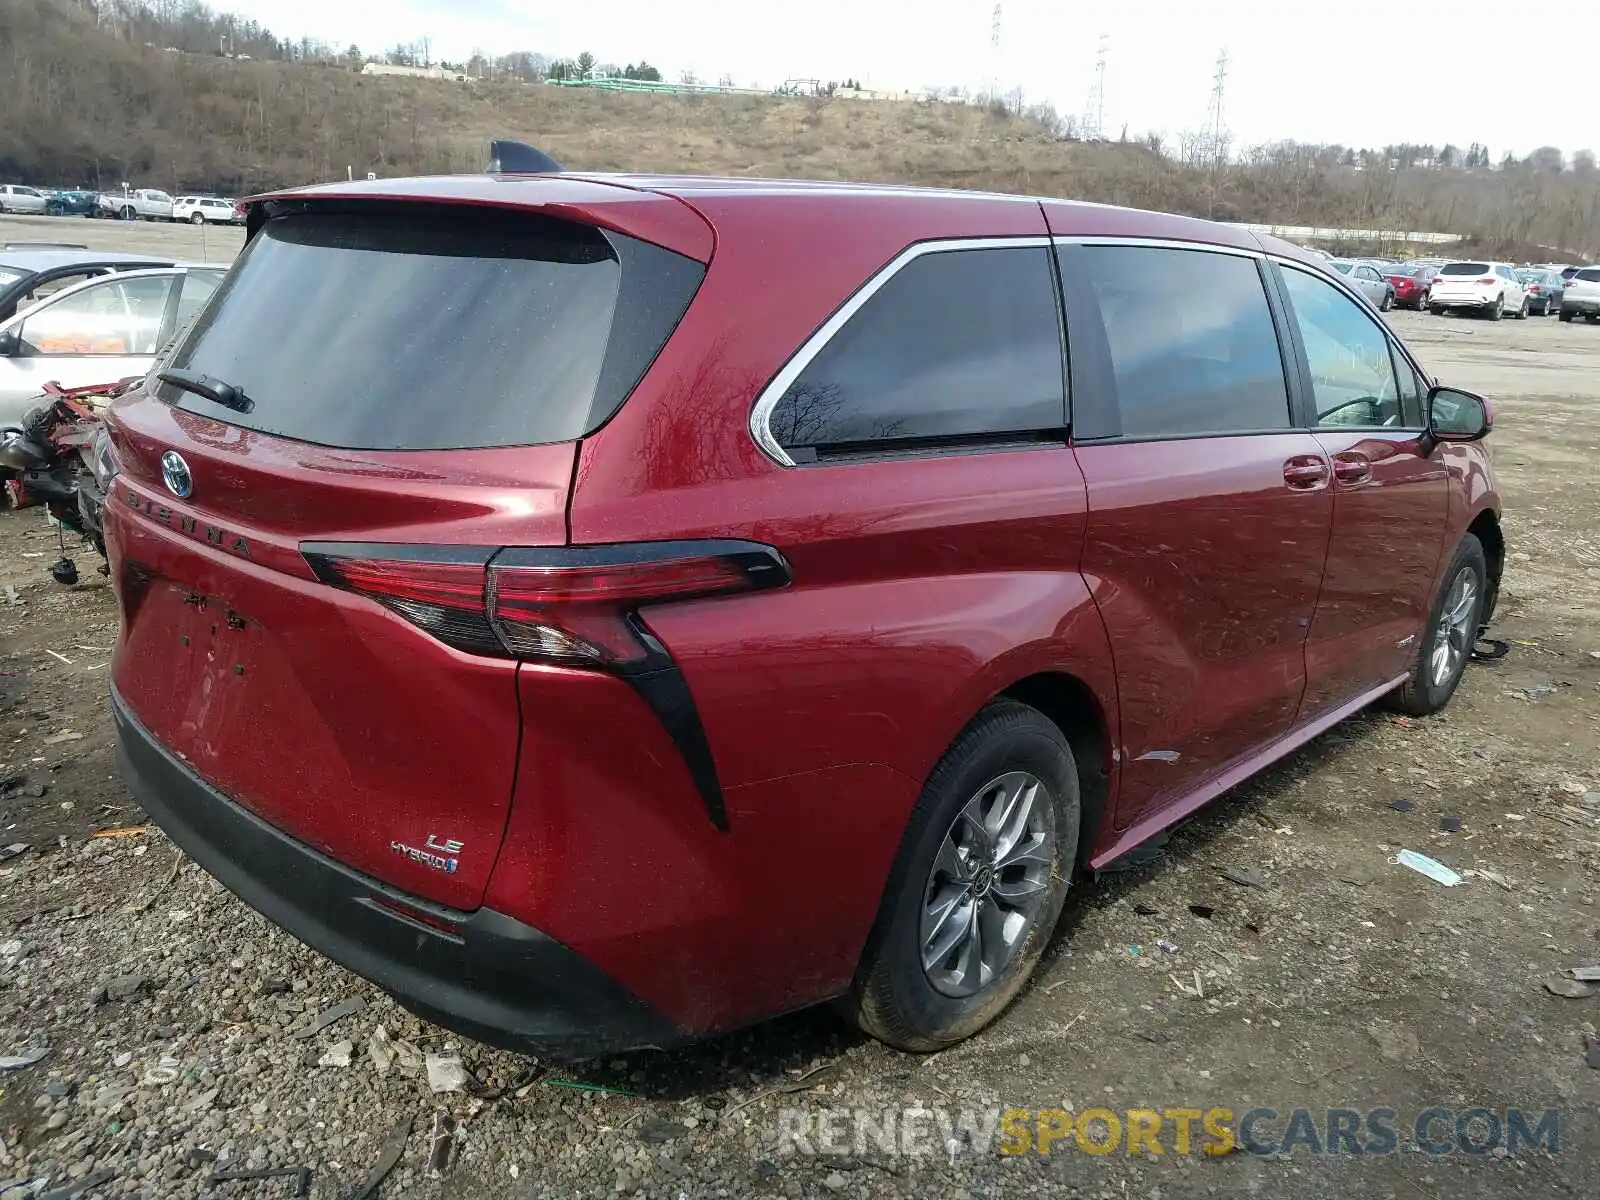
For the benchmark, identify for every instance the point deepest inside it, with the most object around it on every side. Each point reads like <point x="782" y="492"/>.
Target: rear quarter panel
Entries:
<point x="922" y="588"/>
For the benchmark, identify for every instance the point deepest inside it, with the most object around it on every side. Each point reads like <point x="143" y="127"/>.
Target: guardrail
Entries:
<point x="1316" y="233"/>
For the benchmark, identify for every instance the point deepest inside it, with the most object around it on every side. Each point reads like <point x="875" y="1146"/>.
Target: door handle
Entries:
<point x="1305" y="473"/>
<point x="1350" y="467"/>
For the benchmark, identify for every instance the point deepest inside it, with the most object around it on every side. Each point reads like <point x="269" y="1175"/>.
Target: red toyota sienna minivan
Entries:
<point x="605" y="610"/>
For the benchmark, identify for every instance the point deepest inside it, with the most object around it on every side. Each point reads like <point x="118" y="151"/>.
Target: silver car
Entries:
<point x="1367" y="278"/>
<point x="99" y="331"/>
<point x="14" y="198"/>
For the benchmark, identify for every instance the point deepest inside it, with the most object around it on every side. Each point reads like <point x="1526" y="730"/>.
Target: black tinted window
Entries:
<point x="420" y="329"/>
<point x="1588" y="275"/>
<point x="1464" y="268"/>
<point x="957" y="343"/>
<point x="1190" y="340"/>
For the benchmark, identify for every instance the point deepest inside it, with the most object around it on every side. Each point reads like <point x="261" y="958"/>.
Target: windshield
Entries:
<point x="422" y="330"/>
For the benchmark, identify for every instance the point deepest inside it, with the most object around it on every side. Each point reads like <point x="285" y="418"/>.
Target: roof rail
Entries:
<point x="507" y="157"/>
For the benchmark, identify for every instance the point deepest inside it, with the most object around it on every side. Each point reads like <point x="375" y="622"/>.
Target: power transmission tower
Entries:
<point x="1094" y="112"/>
<point x="994" y="56"/>
<point x="1216" y="135"/>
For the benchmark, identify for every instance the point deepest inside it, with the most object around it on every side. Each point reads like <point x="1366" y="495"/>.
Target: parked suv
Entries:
<point x="1582" y="297"/>
<point x="198" y="210"/>
<point x="606" y="610"/>
<point x="1489" y="288"/>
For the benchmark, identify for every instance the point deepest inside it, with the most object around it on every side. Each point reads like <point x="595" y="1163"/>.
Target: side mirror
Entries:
<point x="10" y="343"/>
<point x="1457" y="416"/>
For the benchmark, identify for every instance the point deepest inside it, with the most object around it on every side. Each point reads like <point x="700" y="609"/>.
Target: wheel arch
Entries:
<point x="1486" y="528"/>
<point x="1074" y="708"/>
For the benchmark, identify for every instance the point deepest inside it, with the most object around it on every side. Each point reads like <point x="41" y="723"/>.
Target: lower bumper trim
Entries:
<point x="484" y="974"/>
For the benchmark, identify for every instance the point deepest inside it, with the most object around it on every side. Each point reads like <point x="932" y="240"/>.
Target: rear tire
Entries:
<point x="197" y="219"/>
<point x="920" y="1002"/>
<point x="1388" y="302"/>
<point x="1437" y="310"/>
<point x="1522" y="313"/>
<point x="1447" y="637"/>
<point x="1565" y="315"/>
<point x="1499" y="309"/>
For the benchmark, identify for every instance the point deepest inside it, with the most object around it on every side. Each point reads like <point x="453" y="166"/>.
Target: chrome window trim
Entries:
<point x="760" y="415"/>
<point x="1150" y="243"/>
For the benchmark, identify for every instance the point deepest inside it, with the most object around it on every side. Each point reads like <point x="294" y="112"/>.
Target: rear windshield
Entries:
<point x="1589" y="275"/>
<point x="410" y="328"/>
<point x="1465" y="269"/>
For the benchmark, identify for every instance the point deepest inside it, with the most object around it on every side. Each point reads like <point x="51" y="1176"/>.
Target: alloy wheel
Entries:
<point x="988" y="884"/>
<point x="1453" y="635"/>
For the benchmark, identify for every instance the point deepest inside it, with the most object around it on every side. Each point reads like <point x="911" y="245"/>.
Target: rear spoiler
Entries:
<point x="506" y="157"/>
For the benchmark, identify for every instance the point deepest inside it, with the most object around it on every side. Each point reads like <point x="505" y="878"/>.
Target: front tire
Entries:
<point x="977" y="885"/>
<point x="1449" y="634"/>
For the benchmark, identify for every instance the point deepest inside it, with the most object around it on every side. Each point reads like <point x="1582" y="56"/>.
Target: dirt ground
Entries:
<point x="1345" y="981"/>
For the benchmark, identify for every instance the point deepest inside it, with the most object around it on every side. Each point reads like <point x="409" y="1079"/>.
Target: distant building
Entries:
<point x="374" y="68"/>
<point x="845" y="93"/>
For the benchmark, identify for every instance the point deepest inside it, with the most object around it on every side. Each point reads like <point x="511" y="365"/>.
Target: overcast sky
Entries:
<point x="1361" y="72"/>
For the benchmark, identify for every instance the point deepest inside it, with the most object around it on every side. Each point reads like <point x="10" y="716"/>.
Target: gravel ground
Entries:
<point x="179" y="1025"/>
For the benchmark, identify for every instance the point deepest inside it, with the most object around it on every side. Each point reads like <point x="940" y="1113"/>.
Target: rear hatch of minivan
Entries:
<point x="383" y="394"/>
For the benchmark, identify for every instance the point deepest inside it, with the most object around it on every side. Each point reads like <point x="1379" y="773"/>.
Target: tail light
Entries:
<point x="578" y="606"/>
<point x="1490" y="279"/>
<point x="1534" y="288"/>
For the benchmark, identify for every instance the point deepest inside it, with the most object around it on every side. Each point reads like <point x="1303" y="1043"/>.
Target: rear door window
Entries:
<point x="956" y="345"/>
<point x="1589" y="275"/>
<point x="1188" y="340"/>
<point x="117" y="317"/>
<point x="405" y="327"/>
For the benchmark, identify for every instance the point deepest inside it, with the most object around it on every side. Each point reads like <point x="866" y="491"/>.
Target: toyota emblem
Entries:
<point x="175" y="474"/>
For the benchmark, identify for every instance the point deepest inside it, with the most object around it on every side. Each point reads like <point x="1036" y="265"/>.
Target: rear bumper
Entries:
<point x="1448" y="301"/>
<point x="1587" y="307"/>
<point x="493" y="978"/>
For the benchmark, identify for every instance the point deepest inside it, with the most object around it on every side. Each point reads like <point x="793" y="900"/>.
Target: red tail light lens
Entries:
<point x="1490" y="279"/>
<point x="580" y="612"/>
<point x="573" y="605"/>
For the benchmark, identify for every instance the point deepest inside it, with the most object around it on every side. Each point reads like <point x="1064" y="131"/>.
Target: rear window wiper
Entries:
<point x="215" y="390"/>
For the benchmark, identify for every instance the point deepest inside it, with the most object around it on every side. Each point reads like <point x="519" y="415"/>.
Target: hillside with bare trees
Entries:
<point x="171" y="95"/>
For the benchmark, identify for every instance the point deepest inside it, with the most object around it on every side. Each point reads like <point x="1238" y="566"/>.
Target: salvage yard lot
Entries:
<point x="172" y="1011"/>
